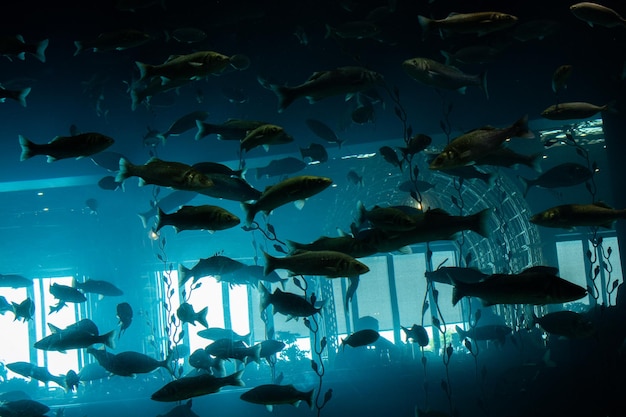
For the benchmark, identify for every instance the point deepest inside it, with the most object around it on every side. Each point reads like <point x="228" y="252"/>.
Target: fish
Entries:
<point x="108" y="183"/>
<point x="474" y="54"/>
<point x="569" y="324"/>
<point x="166" y="174"/>
<point x="125" y="316"/>
<point x="536" y="285"/>
<point x="186" y="314"/>
<point x="596" y="14"/>
<point x="194" y="386"/>
<point x="128" y="363"/>
<point x="416" y="144"/>
<point x="24" y="310"/>
<point x="278" y="167"/>
<point x="270" y="347"/>
<point x="14" y="281"/>
<point x="469" y="172"/>
<point x="270" y="395"/>
<point x="234" y="349"/>
<point x="386" y="218"/>
<point x="145" y="90"/>
<point x="216" y="265"/>
<point x="324" y="84"/>
<point x="488" y="332"/>
<point x="94" y="286"/>
<point x="506" y="157"/>
<point x="265" y="135"/>
<point x="193" y="66"/>
<point x="39" y="373"/>
<point x="23" y="408"/>
<point x="118" y="40"/>
<point x="476" y="144"/>
<point x="62" y="147"/>
<point x="315" y="152"/>
<point x="230" y="187"/>
<point x="188" y="35"/>
<point x="568" y="216"/>
<point x="231" y="129"/>
<point x="17" y="95"/>
<point x="323" y="131"/>
<point x="572" y="111"/>
<point x="75" y="338"/>
<point x="5" y="305"/>
<point x="182" y="410"/>
<point x="92" y="372"/>
<point x="204" y="217"/>
<point x="355" y="178"/>
<point x="567" y="174"/>
<point x="172" y="201"/>
<point x="438" y="75"/>
<point x="293" y="189"/>
<point x="480" y="23"/>
<point x="560" y="77"/>
<point x="200" y="359"/>
<point x="330" y="264"/>
<point x="286" y="303"/>
<point x="216" y="333"/>
<point x="416" y="334"/>
<point x="16" y="46"/>
<point x="452" y="274"/>
<point x="215" y="168"/>
<point x="360" y="338"/>
<point x="357" y="247"/>
<point x="363" y="113"/>
<point x="390" y="155"/>
<point x="184" y="123"/>
<point x="66" y="293"/>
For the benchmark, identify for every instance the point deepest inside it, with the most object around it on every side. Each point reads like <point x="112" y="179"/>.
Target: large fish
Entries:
<point x="323" y="131"/>
<point x="39" y="373"/>
<point x="205" y="217"/>
<point x="596" y="14"/>
<point x="216" y="333"/>
<point x="128" y="363"/>
<point x="537" y="285"/>
<point x="231" y="129"/>
<point x="470" y="147"/>
<point x="66" y="293"/>
<point x="182" y="410"/>
<point x="567" y="174"/>
<point x="438" y="75"/>
<point x="294" y="189"/>
<point x="565" y="323"/>
<point x="289" y="304"/>
<point x="185" y="123"/>
<point x="113" y="41"/>
<point x="61" y="147"/>
<point x="230" y="187"/>
<point x="323" y="84"/>
<point x="452" y="274"/>
<point x="216" y="265"/>
<point x="572" y="111"/>
<point x="77" y="336"/>
<point x="355" y="247"/>
<point x="568" y="216"/>
<point x="100" y="287"/>
<point x="166" y="174"/>
<point x="15" y="281"/>
<point x="270" y="395"/>
<point x="480" y="23"/>
<point x="265" y="135"/>
<point x="193" y="66"/>
<point x="330" y="264"/>
<point x="194" y="386"/>
<point x="23" y="408"/>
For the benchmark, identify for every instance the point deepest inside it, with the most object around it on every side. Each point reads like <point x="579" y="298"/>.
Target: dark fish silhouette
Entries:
<point x="125" y="316"/>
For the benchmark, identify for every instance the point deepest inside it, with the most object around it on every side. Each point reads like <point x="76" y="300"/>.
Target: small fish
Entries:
<point x="330" y="264"/>
<point x="230" y="349"/>
<point x="66" y="293"/>
<point x="92" y="205"/>
<point x="15" y="46"/>
<point x="182" y="410"/>
<point x="270" y="395"/>
<point x="24" y="310"/>
<point x="323" y="84"/>
<point x="301" y="35"/>
<point x="194" y="386"/>
<point x="437" y="75"/>
<point x="293" y="189"/>
<point x="17" y="95"/>
<point x="323" y="131"/>
<point x="185" y="123"/>
<point x="480" y="23"/>
<point x="596" y="14"/>
<point x="128" y="363"/>
<point x="416" y="334"/>
<point x="416" y="144"/>
<point x="355" y="178"/>
<point x="363" y="114"/>
<point x="560" y="77"/>
<point x="286" y="303"/>
<point x="164" y="173"/>
<point x="186" y="314"/>
<point x="216" y="265"/>
<point x="4" y="305"/>
<point x="567" y="174"/>
<point x="15" y="281"/>
<point x="125" y="316"/>
<point x="61" y="147"/>
<point x="113" y="41"/>
<point x="487" y="332"/>
<point x="568" y="216"/>
<point x="271" y="347"/>
<point x="265" y="135"/>
<point x="568" y="324"/>
<point x="360" y="338"/>
<point x="94" y="286"/>
<point x="315" y="152"/>
<point x="390" y="155"/>
<point x="230" y="187"/>
<point x="205" y="217"/>
<point x="572" y="111"/>
<point x="200" y="359"/>
<point x="232" y="129"/>
<point x="278" y="167"/>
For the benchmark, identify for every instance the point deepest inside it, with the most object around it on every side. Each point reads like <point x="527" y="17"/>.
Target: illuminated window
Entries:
<point x="14" y="330"/>
<point x="571" y="260"/>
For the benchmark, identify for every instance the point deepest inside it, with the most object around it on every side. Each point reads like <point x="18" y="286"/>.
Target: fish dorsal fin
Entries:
<point x="540" y="269"/>
<point x="602" y="204"/>
<point x="171" y="57"/>
<point x="299" y="204"/>
<point x="53" y="328"/>
<point x="56" y="138"/>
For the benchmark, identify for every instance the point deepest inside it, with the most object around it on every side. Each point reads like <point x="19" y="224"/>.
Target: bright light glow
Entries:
<point x="359" y="156"/>
<point x="46" y="209"/>
<point x="208" y="294"/>
<point x="39" y="193"/>
<point x="238" y="297"/>
<point x="153" y="235"/>
<point x="14" y="331"/>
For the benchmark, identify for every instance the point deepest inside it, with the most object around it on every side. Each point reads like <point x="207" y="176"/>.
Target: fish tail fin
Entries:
<point x="308" y="398"/>
<point x="483" y="83"/>
<point x="204" y="129"/>
<point x="264" y="297"/>
<point x="250" y="210"/>
<point x="160" y="219"/>
<point x="201" y="317"/>
<point x="124" y="170"/>
<point x="40" y="50"/>
<point x="424" y="23"/>
<point x="144" y="70"/>
<point x="79" y="47"/>
<point x="480" y="222"/>
<point x="256" y="354"/>
<point x="235" y="379"/>
<point x="60" y="381"/>
<point x="27" y="148"/>
<point x="21" y="96"/>
<point x="525" y="183"/>
<point x="109" y="339"/>
<point x="462" y="333"/>
<point x="285" y="96"/>
<point x="329" y="31"/>
<point x="144" y="219"/>
<point x="269" y="263"/>
<point x="183" y="275"/>
<point x="522" y="129"/>
<point x="362" y="212"/>
<point x="135" y="100"/>
<point x="535" y="161"/>
<point x="458" y="292"/>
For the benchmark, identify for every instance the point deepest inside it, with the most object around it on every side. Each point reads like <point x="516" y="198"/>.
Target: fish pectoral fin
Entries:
<point x="269" y="407"/>
<point x="299" y="204"/>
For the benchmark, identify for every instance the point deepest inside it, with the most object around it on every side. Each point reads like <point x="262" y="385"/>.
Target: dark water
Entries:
<point x="58" y="223"/>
